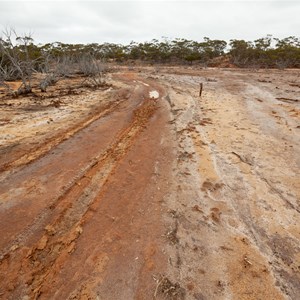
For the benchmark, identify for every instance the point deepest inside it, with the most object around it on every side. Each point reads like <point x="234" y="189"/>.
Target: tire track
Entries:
<point x="65" y="216"/>
<point x="43" y="149"/>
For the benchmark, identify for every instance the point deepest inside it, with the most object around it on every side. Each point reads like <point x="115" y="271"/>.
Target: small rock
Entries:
<point x="42" y="243"/>
<point x="14" y="247"/>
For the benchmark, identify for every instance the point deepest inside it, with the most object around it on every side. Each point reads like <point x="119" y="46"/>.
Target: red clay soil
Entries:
<point x="119" y="194"/>
<point x="85" y="219"/>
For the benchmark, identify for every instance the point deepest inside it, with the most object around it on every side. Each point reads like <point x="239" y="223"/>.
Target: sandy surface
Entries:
<point x="144" y="190"/>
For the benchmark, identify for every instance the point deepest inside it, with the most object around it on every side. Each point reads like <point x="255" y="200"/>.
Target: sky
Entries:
<point x="126" y="21"/>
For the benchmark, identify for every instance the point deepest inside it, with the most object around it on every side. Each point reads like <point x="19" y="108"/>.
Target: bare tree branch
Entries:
<point x="19" y="63"/>
<point x="92" y="70"/>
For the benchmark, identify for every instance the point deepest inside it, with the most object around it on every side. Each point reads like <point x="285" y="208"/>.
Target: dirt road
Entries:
<point x="148" y="191"/>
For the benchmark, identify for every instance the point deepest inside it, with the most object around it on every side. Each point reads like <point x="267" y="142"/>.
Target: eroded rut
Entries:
<point x="44" y="216"/>
<point x="175" y="197"/>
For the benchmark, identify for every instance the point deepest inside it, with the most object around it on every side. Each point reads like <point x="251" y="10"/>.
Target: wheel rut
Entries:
<point x="53" y="224"/>
<point x="44" y="148"/>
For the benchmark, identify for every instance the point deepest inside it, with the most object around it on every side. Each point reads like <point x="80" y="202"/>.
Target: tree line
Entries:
<point x="266" y="52"/>
<point x="20" y="56"/>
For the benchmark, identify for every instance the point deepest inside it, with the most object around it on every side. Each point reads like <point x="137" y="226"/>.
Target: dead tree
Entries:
<point x="16" y="51"/>
<point x="50" y="74"/>
<point x="65" y="67"/>
<point x="6" y="72"/>
<point x="48" y="80"/>
<point x="92" y="71"/>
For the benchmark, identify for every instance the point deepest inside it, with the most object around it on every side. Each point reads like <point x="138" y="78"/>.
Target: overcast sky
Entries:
<point x="124" y="21"/>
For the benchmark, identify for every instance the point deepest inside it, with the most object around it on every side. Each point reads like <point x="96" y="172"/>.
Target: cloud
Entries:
<point x="123" y="21"/>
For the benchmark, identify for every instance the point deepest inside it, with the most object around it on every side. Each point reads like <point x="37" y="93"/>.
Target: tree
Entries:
<point x="287" y="53"/>
<point x="92" y="70"/>
<point x="240" y="52"/>
<point x="20" y="59"/>
<point x="214" y="48"/>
